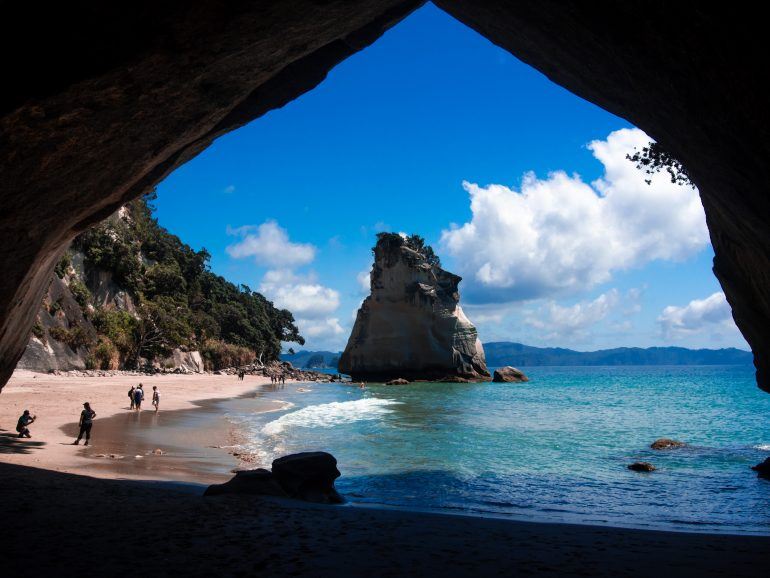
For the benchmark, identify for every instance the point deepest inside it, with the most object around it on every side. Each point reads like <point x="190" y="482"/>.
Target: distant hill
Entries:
<point x="313" y="359"/>
<point x="519" y="355"/>
<point x="505" y="353"/>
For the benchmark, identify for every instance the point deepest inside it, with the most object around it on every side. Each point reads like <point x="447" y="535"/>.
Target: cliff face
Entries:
<point x="412" y="325"/>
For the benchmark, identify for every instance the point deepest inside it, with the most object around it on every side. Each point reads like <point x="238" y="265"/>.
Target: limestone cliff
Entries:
<point x="412" y="325"/>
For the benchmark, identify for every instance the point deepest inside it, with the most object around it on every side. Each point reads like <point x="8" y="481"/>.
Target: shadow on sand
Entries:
<point x="11" y="443"/>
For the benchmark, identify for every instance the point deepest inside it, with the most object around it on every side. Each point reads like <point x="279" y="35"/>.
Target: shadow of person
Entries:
<point x="11" y="443"/>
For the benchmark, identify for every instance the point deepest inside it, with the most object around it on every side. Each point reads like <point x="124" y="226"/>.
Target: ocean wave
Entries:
<point x="763" y="447"/>
<point x="331" y="414"/>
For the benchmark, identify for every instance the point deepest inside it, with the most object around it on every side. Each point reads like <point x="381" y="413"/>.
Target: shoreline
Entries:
<point x="163" y="508"/>
<point x="57" y="401"/>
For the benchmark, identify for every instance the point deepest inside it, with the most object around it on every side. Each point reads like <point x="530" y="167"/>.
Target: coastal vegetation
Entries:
<point x="172" y="300"/>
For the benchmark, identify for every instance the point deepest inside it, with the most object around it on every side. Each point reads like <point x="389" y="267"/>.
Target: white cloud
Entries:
<point x="229" y="189"/>
<point x="364" y="281"/>
<point x="558" y="321"/>
<point x="560" y="236"/>
<point x="301" y="295"/>
<point x="711" y="315"/>
<point x="269" y="245"/>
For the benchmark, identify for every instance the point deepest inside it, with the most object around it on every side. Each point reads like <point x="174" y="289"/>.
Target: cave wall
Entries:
<point x="100" y="102"/>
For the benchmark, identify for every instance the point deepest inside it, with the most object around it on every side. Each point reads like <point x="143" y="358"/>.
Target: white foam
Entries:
<point x="331" y="414"/>
<point x="763" y="447"/>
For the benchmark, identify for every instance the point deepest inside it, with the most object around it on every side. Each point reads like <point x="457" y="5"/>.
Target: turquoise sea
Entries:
<point x="553" y="449"/>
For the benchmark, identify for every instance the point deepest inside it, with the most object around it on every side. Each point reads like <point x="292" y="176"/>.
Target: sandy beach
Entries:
<point x="57" y="400"/>
<point x="102" y="516"/>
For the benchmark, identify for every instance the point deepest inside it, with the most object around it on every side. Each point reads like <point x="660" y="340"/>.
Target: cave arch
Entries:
<point x="104" y="101"/>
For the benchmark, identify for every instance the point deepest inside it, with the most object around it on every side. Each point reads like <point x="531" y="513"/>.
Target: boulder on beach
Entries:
<point x="308" y="476"/>
<point x="666" y="444"/>
<point x="641" y="467"/>
<point x="763" y="469"/>
<point x="509" y="374"/>
<point x="258" y="482"/>
<point x="398" y="381"/>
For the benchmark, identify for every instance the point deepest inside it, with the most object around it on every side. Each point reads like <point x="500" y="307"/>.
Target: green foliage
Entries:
<point x="80" y="293"/>
<point x="119" y="327"/>
<point x="54" y="307"/>
<point x="654" y="159"/>
<point x="105" y="355"/>
<point x="63" y="265"/>
<point x="414" y="242"/>
<point x="37" y="330"/>
<point x="181" y="303"/>
<point x="217" y="354"/>
<point x="74" y="338"/>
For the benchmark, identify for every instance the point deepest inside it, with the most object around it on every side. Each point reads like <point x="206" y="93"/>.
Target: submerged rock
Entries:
<point x="399" y="381"/>
<point x="509" y="374"/>
<point x="666" y="444"/>
<point x="411" y="325"/>
<point x="258" y="482"/>
<point x="763" y="469"/>
<point x="308" y="476"/>
<point x="641" y="467"/>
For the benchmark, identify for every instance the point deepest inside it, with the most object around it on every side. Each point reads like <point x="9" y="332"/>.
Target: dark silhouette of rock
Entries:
<point x="104" y="102"/>
<point x="641" y="467"/>
<point x="258" y="482"/>
<point x="666" y="444"/>
<point x="763" y="469"/>
<point x="399" y="381"/>
<point x="308" y="476"/>
<point x="411" y="326"/>
<point x="509" y="374"/>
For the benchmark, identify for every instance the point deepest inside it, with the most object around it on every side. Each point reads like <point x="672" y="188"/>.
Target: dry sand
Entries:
<point x="59" y="524"/>
<point x="57" y="400"/>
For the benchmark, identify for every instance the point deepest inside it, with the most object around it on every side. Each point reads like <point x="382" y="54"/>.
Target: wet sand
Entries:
<point x="189" y="432"/>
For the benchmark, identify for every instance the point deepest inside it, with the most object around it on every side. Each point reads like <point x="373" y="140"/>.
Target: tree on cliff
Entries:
<point x="179" y="301"/>
<point x="414" y="242"/>
<point x="654" y="159"/>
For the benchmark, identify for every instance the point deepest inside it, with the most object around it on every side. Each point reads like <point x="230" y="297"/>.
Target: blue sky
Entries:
<point x="387" y="142"/>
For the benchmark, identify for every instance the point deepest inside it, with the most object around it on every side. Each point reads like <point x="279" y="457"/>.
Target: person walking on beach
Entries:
<point x="131" y="396"/>
<point x="138" y="397"/>
<point x="86" y="421"/>
<point x="24" y="421"/>
<point x="155" y="397"/>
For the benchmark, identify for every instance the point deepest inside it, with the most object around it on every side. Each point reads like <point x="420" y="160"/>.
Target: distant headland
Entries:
<point x="501" y="353"/>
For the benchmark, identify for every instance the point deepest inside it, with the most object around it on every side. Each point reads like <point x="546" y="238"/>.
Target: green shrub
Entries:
<point x="63" y="265"/>
<point x="218" y="355"/>
<point x="59" y="334"/>
<point x="54" y="307"/>
<point x="37" y="330"/>
<point x="105" y="354"/>
<point x="80" y="293"/>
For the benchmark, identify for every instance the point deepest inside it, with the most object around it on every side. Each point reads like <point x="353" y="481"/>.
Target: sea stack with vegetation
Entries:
<point x="411" y="326"/>
<point x="128" y="294"/>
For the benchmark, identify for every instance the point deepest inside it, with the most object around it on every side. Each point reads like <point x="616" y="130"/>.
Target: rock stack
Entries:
<point x="411" y="326"/>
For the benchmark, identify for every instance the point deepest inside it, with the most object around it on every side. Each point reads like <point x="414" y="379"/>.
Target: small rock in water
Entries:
<point x="763" y="469"/>
<point x="509" y="374"/>
<point x="665" y="444"/>
<point x="641" y="467"/>
<point x="398" y="381"/>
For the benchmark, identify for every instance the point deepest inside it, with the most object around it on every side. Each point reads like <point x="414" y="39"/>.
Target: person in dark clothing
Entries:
<point x="86" y="421"/>
<point x="131" y="396"/>
<point x="24" y="421"/>
<point x="138" y="397"/>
